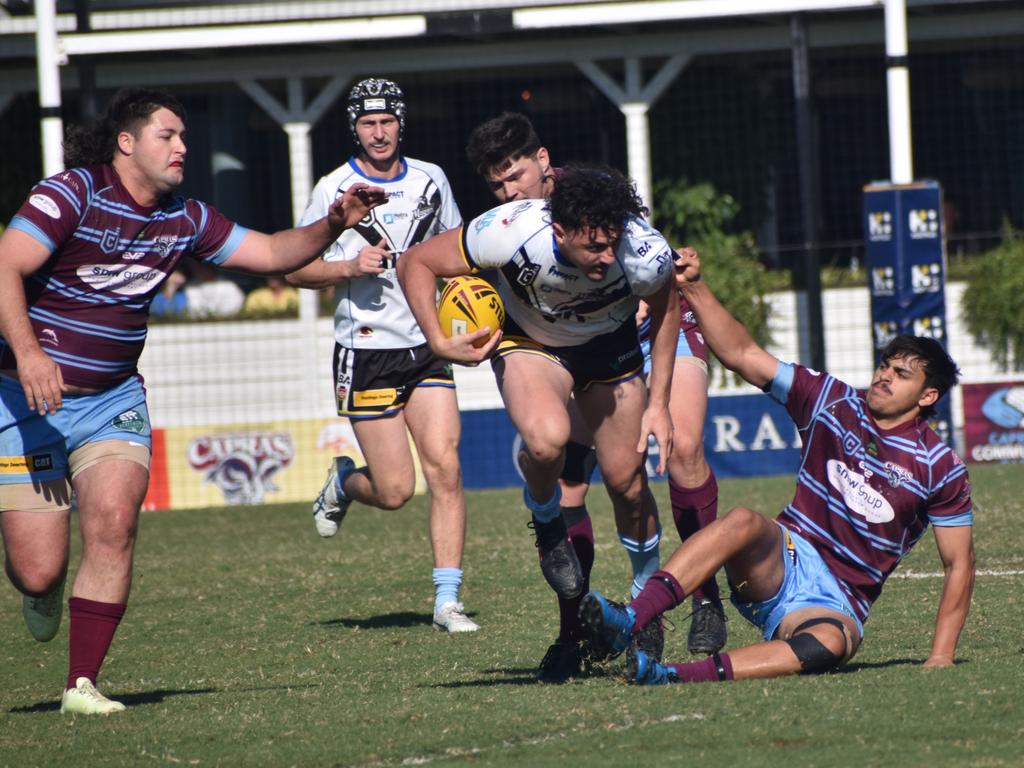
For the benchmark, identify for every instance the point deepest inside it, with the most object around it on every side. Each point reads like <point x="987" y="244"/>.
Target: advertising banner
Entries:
<point x="994" y="422"/>
<point x="744" y="436"/>
<point x="905" y="247"/>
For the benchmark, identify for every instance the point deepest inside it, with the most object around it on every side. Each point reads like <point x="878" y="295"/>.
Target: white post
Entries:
<point x="901" y="158"/>
<point x="48" y="61"/>
<point x="638" y="147"/>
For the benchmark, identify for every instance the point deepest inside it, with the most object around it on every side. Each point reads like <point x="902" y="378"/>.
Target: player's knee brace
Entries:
<point x="580" y="461"/>
<point x="813" y="655"/>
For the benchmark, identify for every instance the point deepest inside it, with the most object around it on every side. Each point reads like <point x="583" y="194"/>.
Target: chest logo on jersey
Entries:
<point x="120" y="278"/>
<point x="527" y="274"/>
<point x="109" y="240"/>
<point x="896" y="474"/>
<point x="164" y="244"/>
<point x="423" y="208"/>
<point x="859" y="497"/>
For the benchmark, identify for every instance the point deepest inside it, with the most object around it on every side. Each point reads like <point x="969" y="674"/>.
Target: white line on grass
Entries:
<point x="530" y="741"/>
<point x="939" y="574"/>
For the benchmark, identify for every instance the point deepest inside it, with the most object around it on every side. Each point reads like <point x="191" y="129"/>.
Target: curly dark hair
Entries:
<point x="939" y="369"/>
<point x="128" y="110"/>
<point x="508" y="136"/>
<point x="594" y="197"/>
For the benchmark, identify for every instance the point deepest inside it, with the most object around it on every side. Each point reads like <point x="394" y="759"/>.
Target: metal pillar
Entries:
<point x="48" y="61"/>
<point x="901" y="155"/>
<point x="634" y="100"/>
<point x="809" y="277"/>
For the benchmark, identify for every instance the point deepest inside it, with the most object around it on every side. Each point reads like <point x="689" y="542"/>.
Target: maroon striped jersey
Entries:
<point x="865" y="495"/>
<point x="89" y="303"/>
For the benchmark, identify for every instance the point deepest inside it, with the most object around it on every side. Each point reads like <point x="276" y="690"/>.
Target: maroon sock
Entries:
<point x="581" y="533"/>
<point x="693" y="509"/>
<point x="93" y="625"/>
<point x="661" y="593"/>
<point x="713" y="669"/>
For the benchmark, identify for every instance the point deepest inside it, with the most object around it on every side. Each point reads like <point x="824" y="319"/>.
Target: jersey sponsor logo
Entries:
<point x="483" y="222"/>
<point x="133" y="255"/>
<point x="130" y="421"/>
<point x="858" y="496"/>
<point x="559" y="273"/>
<point x="45" y="204"/>
<point x="242" y="464"/>
<point x="48" y="336"/>
<point x="516" y="213"/>
<point x="120" y="278"/>
<point x="342" y="385"/>
<point x="16" y="465"/>
<point x="374" y="397"/>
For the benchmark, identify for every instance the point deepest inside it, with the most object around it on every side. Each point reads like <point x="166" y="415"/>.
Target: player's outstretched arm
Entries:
<point x="657" y="421"/>
<point x="724" y="334"/>
<point x="40" y="377"/>
<point x="290" y="249"/>
<point x="956" y="550"/>
<point x="321" y="274"/>
<point x="418" y="271"/>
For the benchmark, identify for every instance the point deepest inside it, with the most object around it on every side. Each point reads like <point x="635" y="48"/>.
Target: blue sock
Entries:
<point x="645" y="558"/>
<point x="549" y="510"/>
<point x="446" y="586"/>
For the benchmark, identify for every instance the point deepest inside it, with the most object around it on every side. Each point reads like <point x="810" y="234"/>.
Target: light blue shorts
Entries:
<point x="808" y="582"/>
<point x="35" y="449"/>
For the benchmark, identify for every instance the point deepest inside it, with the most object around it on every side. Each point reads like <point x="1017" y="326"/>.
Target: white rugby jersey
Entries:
<point x="548" y="297"/>
<point x="371" y="312"/>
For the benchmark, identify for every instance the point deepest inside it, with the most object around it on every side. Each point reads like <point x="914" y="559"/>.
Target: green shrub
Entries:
<point x="993" y="302"/>
<point x="699" y="216"/>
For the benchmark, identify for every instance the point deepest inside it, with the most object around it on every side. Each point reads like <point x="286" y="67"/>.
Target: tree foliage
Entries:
<point x="700" y="216"/>
<point x="993" y="302"/>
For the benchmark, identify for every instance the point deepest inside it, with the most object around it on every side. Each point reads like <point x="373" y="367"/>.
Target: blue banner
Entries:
<point x="744" y="436"/>
<point x="905" y="246"/>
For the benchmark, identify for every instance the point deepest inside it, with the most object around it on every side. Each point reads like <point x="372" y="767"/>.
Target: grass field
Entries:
<point x="250" y="641"/>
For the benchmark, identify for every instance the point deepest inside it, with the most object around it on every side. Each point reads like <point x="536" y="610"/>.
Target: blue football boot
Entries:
<point x="609" y="624"/>
<point x="644" y="670"/>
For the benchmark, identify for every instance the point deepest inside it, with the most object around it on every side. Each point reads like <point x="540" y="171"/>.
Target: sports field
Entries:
<point x="251" y="641"/>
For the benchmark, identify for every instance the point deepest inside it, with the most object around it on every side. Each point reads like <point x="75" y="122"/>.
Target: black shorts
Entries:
<point x="371" y="383"/>
<point x="606" y="359"/>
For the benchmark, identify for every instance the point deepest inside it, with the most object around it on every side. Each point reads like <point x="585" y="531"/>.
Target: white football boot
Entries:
<point x="451" y="617"/>
<point x="84" y="699"/>
<point x="331" y="504"/>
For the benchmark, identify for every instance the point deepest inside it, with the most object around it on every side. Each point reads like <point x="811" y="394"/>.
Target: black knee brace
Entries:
<point x="813" y="655"/>
<point x="580" y="461"/>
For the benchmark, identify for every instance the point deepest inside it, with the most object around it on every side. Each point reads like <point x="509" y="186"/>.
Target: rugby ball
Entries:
<point x="468" y="304"/>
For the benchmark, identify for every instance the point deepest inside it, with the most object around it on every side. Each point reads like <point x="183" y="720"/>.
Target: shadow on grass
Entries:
<point x="400" y="620"/>
<point x="158" y="696"/>
<point x="129" y="700"/>
<point x="857" y="666"/>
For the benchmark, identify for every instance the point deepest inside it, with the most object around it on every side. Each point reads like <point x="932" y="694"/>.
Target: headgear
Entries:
<point x="375" y="94"/>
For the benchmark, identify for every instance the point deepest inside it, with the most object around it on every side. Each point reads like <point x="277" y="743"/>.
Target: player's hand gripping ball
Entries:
<point x="468" y="304"/>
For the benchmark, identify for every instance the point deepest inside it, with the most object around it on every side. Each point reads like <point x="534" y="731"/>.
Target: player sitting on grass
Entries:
<point x="872" y="475"/>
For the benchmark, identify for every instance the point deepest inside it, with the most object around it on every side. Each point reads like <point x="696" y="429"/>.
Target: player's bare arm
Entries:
<point x="40" y="377"/>
<point x="286" y="251"/>
<point x="664" y="310"/>
<point x="322" y="274"/>
<point x="724" y="334"/>
<point x="956" y="550"/>
<point x="418" y="272"/>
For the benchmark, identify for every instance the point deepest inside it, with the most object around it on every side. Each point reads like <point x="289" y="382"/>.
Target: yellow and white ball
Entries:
<point x="468" y="304"/>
